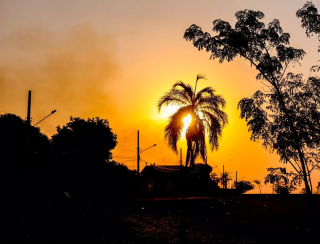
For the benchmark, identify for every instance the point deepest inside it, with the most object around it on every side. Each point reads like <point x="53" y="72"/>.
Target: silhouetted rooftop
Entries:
<point x="161" y="169"/>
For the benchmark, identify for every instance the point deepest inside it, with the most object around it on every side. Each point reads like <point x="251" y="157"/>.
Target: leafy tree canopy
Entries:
<point x="91" y="139"/>
<point x="310" y="19"/>
<point x="243" y="186"/>
<point x="283" y="182"/>
<point x="266" y="47"/>
<point x="23" y="146"/>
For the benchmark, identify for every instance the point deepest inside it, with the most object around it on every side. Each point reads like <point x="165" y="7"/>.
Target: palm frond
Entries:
<point x="205" y="92"/>
<point x="214" y="129"/>
<point x="221" y="115"/>
<point x="175" y="126"/>
<point x="201" y="76"/>
<point x="176" y="96"/>
<point x="167" y="101"/>
<point x="186" y="87"/>
<point x="211" y="101"/>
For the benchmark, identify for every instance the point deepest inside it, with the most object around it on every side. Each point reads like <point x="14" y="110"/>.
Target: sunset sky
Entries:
<point x="114" y="59"/>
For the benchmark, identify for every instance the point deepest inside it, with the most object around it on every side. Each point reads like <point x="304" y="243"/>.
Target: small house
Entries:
<point x="162" y="180"/>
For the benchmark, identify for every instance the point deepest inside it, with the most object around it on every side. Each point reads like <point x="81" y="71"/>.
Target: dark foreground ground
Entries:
<point x="245" y="219"/>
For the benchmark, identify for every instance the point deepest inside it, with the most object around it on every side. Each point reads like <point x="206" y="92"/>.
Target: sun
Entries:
<point x="186" y="122"/>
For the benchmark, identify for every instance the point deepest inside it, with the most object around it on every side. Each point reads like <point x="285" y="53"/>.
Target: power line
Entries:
<point x="123" y="147"/>
<point x="148" y="155"/>
<point x="44" y="129"/>
<point x="32" y="119"/>
<point x="121" y="158"/>
<point x="124" y="150"/>
<point x="45" y="125"/>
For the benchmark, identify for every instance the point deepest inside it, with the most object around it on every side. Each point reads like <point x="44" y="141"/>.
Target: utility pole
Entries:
<point x="16" y="187"/>
<point x="138" y="154"/>
<point x="29" y="108"/>
<point x="223" y="180"/>
<point x="236" y="179"/>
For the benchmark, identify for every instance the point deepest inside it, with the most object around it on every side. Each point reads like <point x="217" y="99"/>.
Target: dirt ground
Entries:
<point x="244" y="219"/>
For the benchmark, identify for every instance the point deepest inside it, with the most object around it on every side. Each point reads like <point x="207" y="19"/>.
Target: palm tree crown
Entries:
<point x="204" y="108"/>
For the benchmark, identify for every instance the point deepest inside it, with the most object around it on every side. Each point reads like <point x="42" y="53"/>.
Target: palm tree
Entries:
<point x="258" y="183"/>
<point x="206" y="116"/>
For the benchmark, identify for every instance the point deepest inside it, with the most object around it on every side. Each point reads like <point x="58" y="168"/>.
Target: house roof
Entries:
<point x="161" y="170"/>
<point x="164" y="168"/>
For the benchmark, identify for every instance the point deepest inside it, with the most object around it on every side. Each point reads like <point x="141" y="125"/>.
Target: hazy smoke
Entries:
<point x="72" y="74"/>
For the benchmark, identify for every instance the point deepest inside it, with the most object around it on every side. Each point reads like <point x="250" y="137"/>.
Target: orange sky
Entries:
<point x="114" y="59"/>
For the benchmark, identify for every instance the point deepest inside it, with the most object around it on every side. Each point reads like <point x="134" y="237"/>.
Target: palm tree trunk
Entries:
<point x="188" y="156"/>
<point x="191" y="158"/>
<point x="189" y="152"/>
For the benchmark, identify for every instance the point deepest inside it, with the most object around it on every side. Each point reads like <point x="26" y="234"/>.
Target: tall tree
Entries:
<point x="267" y="49"/>
<point x="82" y="148"/>
<point x="205" y="108"/>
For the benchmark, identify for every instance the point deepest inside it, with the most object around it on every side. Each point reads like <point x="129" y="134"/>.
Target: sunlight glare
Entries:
<point x="186" y="122"/>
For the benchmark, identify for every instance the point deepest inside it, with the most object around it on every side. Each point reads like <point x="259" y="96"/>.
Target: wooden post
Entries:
<point x="29" y="108"/>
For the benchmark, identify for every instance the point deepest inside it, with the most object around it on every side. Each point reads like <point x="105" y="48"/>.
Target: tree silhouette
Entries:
<point x="215" y="177"/>
<point x="280" y="180"/>
<point x="258" y="183"/>
<point x="206" y="116"/>
<point x="243" y="186"/>
<point x="23" y="146"/>
<point x="268" y="123"/>
<point x="225" y="178"/>
<point x="91" y="139"/>
<point x="310" y="19"/>
<point x="82" y="148"/>
<point x="268" y="50"/>
<point x="25" y="157"/>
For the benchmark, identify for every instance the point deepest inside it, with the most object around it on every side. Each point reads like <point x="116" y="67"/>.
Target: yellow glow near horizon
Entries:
<point x="186" y="122"/>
